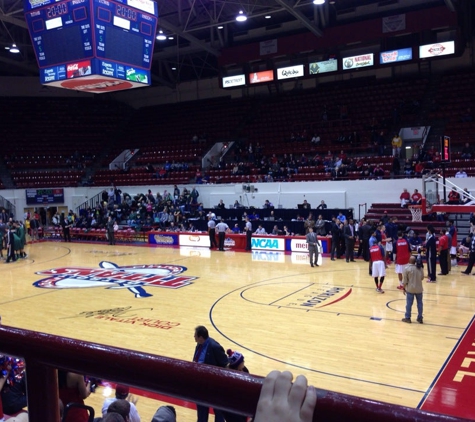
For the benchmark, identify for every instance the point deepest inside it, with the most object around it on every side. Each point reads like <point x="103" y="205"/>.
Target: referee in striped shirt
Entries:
<point x="212" y="233"/>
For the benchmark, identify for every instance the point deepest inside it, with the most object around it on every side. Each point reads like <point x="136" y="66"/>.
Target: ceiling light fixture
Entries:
<point x="318" y="2"/>
<point x="241" y="17"/>
<point x="220" y="27"/>
<point x="14" y="49"/>
<point x="161" y="36"/>
<point x="171" y="37"/>
<point x="267" y="16"/>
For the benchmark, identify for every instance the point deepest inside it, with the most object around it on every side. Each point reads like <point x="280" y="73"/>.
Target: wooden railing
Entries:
<point x="225" y="389"/>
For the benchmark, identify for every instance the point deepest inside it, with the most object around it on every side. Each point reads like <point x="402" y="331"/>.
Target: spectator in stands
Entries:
<point x="419" y="169"/>
<point x="416" y="198"/>
<point x="378" y="172"/>
<point x="74" y="389"/>
<point x="275" y="230"/>
<point x="221" y="205"/>
<point x="464" y="246"/>
<point x="467" y="151"/>
<point x="461" y="174"/>
<point x="306" y="205"/>
<point x="341" y="217"/>
<point x="268" y="205"/>
<point x="236" y="204"/>
<point x="405" y="198"/>
<point x="320" y="226"/>
<point x="122" y="407"/>
<point x="415" y="241"/>
<point x="315" y="139"/>
<point x="149" y="168"/>
<point x="260" y="230"/>
<point x="165" y="414"/>
<point x="322" y="205"/>
<point x="396" y="144"/>
<point x="122" y="393"/>
<point x="454" y="197"/>
<point x="466" y="197"/>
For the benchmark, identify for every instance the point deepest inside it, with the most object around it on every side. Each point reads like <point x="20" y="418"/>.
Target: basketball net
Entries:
<point x="416" y="212"/>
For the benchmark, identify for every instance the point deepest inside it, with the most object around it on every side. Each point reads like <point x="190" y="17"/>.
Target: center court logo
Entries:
<point x="109" y="275"/>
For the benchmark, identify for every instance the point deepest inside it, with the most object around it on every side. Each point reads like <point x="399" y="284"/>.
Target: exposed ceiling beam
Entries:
<point x="290" y="9"/>
<point x="169" y="27"/>
<point x="14" y="21"/>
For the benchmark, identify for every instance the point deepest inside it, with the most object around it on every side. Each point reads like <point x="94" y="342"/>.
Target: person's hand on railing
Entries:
<point x="282" y="401"/>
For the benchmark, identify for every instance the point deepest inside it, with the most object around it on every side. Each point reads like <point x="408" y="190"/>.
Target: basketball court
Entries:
<point x="327" y="322"/>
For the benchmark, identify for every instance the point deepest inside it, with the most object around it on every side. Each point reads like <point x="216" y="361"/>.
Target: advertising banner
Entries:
<point x="437" y="49"/>
<point x="323" y="67"/>
<point x="356" y="62"/>
<point x="290" y="72"/>
<point x="395" y="56"/>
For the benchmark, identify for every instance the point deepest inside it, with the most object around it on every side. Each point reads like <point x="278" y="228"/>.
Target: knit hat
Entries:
<point x="121" y="390"/>
<point x="165" y="414"/>
<point x="235" y="359"/>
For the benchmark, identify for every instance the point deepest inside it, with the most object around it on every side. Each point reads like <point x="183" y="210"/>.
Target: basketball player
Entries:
<point x="379" y="266"/>
<point x="403" y="253"/>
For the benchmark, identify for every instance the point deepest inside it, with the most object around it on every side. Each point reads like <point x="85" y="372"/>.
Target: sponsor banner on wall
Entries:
<point x="300" y="244"/>
<point x="268" y="47"/>
<point x="323" y="67"/>
<point x="356" y="62"/>
<point x="263" y="76"/>
<point x="436" y="49"/>
<point x="290" y="72"/>
<point x="165" y="239"/>
<point x="232" y="81"/>
<point x="393" y="56"/>
<point x="268" y="243"/>
<point x="394" y="23"/>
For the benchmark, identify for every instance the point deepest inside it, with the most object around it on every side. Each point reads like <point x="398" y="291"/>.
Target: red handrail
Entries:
<point x="225" y="389"/>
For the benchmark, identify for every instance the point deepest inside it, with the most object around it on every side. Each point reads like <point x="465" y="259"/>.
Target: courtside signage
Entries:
<point x="268" y="243"/>
<point x="232" y="81"/>
<point x="356" y="62"/>
<point x="194" y="240"/>
<point x="290" y="72"/>
<point x="437" y="49"/>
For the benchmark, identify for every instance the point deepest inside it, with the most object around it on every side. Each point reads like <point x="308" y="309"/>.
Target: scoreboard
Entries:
<point x="108" y="44"/>
<point x="44" y="196"/>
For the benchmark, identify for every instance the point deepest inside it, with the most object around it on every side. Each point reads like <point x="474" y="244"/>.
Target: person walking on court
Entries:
<point x="222" y="228"/>
<point x="431" y="254"/>
<point x="110" y="231"/>
<point x="378" y="266"/>
<point x="212" y="233"/>
<point x="208" y="351"/>
<point x="471" y="256"/>
<point x="412" y="282"/>
<point x="312" y="241"/>
<point x="248" y="230"/>
<point x="349" y="234"/>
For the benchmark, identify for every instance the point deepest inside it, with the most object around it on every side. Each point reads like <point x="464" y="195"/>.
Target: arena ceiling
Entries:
<point x="197" y="30"/>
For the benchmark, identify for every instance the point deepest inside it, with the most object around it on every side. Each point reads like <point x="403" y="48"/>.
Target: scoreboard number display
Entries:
<point x="44" y="196"/>
<point x="112" y="39"/>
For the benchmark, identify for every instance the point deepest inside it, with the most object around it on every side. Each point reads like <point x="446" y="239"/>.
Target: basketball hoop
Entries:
<point x="416" y="211"/>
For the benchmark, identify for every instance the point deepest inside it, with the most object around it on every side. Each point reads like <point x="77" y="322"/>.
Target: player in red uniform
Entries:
<point x="376" y="253"/>
<point x="403" y="253"/>
<point x="443" y="253"/>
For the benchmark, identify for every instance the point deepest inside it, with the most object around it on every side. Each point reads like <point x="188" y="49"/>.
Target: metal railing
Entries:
<point x="234" y="391"/>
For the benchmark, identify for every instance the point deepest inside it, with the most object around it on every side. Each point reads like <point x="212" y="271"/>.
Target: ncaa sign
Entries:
<point x="268" y="243"/>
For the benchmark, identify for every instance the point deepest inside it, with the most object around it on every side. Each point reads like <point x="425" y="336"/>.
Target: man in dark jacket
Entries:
<point x="208" y="351"/>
